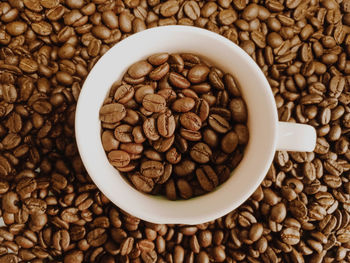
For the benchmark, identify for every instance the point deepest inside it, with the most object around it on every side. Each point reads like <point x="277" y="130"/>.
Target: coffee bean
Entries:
<point x="158" y="59"/>
<point x="159" y="72"/>
<point x="123" y="133"/>
<point x="198" y="74"/>
<point x="140" y="69"/>
<point x="178" y="81"/>
<point x="166" y="124"/>
<point x="119" y="158"/>
<point x="229" y="142"/>
<point x="124" y="93"/>
<point x="207" y="178"/>
<point x="218" y="123"/>
<point x="183" y="104"/>
<point x="185" y="190"/>
<point x="200" y="153"/>
<point x="185" y="167"/>
<point x="154" y="103"/>
<point x="190" y="121"/>
<point x="112" y="113"/>
<point x="152" y="169"/>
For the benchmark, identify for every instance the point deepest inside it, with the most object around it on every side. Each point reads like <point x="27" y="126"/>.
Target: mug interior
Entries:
<point x="262" y="123"/>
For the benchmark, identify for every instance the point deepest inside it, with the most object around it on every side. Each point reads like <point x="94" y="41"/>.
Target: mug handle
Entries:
<point x="295" y="137"/>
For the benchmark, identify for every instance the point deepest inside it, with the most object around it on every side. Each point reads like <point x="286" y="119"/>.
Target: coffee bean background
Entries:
<point x="54" y="213"/>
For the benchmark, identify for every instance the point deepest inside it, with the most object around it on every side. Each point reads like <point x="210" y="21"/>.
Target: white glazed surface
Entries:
<point x="262" y="122"/>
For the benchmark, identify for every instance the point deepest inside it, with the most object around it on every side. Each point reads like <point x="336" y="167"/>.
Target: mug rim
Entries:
<point x="87" y="161"/>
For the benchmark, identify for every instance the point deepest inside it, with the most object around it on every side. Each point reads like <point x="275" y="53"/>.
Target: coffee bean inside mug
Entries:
<point x="175" y="125"/>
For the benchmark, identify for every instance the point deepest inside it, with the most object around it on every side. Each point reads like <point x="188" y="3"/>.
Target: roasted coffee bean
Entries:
<point x="183" y="104"/>
<point x="166" y="124"/>
<point x="112" y="113"/>
<point x="123" y="133"/>
<point x="124" y="93"/>
<point x="200" y="153"/>
<point x="198" y="74"/>
<point x="229" y="142"/>
<point x="119" y="158"/>
<point x="152" y="169"/>
<point x="207" y="178"/>
<point x="150" y="130"/>
<point x="154" y="103"/>
<point x="178" y="81"/>
<point x="190" y="121"/>
<point x="140" y="69"/>
<point x="218" y="123"/>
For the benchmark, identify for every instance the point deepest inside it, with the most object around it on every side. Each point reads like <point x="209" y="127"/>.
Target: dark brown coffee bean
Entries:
<point x="207" y="178"/>
<point x="97" y="237"/>
<point x="112" y="113"/>
<point x="170" y="190"/>
<point x="166" y="124"/>
<point x="119" y="158"/>
<point x="200" y="153"/>
<point x="184" y="188"/>
<point x="154" y="103"/>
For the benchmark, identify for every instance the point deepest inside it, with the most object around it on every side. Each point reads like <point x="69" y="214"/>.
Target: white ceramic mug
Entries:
<point x="266" y="134"/>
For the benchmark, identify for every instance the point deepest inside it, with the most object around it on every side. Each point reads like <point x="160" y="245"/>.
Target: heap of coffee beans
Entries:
<point x="175" y="125"/>
<point x="54" y="213"/>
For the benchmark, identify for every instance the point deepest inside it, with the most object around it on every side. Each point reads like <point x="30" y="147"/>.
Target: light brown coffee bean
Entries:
<point x="198" y="73"/>
<point x="159" y="72"/>
<point x="124" y="93"/>
<point x="185" y="167"/>
<point x="169" y="8"/>
<point x="142" y="92"/>
<point x="183" y="104"/>
<point x="112" y="113"/>
<point x="166" y="124"/>
<point x="190" y="121"/>
<point x="158" y="59"/>
<point x="200" y="152"/>
<point x="152" y="169"/>
<point x="140" y="69"/>
<point x="150" y="130"/>
<point x="119" y="158"/>
<point x="16" y="28"/>
<point x="178" y="81"/>
<point x="123" y="133"/>
<point x="173" y="156"/>
<point x="218" y="123"/>
<point x="154" y="103"/>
